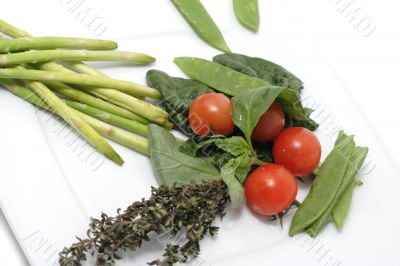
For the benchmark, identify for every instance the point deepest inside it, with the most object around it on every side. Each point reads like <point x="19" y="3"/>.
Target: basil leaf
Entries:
<point x="236" y="191"/>
<point x="177" y="95"/>
<point x="244" y="168"/>
<point x="250" y="105"/>
<point x="172" y="166"/>
<point x="260" y="68"/>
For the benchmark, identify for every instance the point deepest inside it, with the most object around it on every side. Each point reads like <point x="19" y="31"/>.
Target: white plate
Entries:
<point x="51" y="183"/>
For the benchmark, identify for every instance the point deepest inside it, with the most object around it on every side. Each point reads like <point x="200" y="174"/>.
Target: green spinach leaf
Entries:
<point x="172" y="166"/>
<point x="250" y="105"/>
<point x="177" y="95"/>
<point x="309" y="123"/>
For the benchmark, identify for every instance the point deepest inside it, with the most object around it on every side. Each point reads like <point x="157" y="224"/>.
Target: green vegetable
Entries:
<point x="236" y="190"/>
<point x="40" y="43"/>
<point x="177" y="95"/>
<point x="79" y="79"/>
<point x="355" y="156"/>
<point x="342" y="206"/>
<point x="112" y="119"/>
<point x="323" y="191"/>
<point x="74" y="55"/>
<point x="12" y="31"/>
<point x="98" y="103"/>
<point x="346" y="146"/>
<point x="172" y="166"/>
<point x="260" y="68"/>
<point x="250" y="105"/>
<point x="246" y="12"/>
<point x="218" y="77"/>
<point x="232" y="155"/>
<point x="202" y="23"/>
<point x="344" y="197"/>
<point x="309" y="123"/>
<point x="120" y="136"/>
<point x="82" y="127"/>
<point x="276" y="75"/>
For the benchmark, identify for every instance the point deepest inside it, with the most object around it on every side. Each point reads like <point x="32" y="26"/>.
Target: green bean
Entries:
<point x="342" y="206"/>
<point x="246" y="12"/>
<point x="218" y="77"/>
<point x="202" y="23"/>
<point x="323" y="191"/>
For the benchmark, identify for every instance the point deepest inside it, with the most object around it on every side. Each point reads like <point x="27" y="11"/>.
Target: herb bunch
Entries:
<point x="191" y="209"/>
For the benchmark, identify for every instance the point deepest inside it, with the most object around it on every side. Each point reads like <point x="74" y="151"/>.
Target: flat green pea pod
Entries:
<point x="346" y="145"/>
<point x="246" y="12"/>
<point x="340" y="211"/>
<point x="342" y="200"/>
<point x="201" y="22"/>
<point x="218" y="77"/>
<point x="323" y="191"/>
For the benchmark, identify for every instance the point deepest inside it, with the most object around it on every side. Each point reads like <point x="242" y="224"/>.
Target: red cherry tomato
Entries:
<point x="270" y="124"/>
<point x="211" y="111"/>
<point x="270" y="189"/>
<point x="297" y="149"/>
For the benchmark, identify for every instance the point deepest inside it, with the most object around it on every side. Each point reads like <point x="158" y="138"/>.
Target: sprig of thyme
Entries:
<point x="191" y="209"/>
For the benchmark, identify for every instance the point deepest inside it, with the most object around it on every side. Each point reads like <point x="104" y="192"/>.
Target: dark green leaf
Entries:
<point x="250" y="105"/>
<point x="309" y="123"/>
<point x="172" y="166"/>
<point x="177" y="95"/>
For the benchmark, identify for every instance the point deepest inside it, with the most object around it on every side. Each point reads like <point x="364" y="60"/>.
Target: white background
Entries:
<point x="367" y="66"/>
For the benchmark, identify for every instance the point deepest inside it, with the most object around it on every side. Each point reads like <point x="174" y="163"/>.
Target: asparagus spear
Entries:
<point x="51" y="66"/>
<point x="73" y="55"/>
<point x="12" y="31"/>
<point x="98" y="103"/>
<point x="139" y="107"/>
<point x="79" y="79"/>
<point x="109" y="95"/>
<point x="41" y="43"/>
<point x="112" y="119"/>
<point x="118" y="135"/>
<point x="59" y="107"/>
<point x="131" y="88"/>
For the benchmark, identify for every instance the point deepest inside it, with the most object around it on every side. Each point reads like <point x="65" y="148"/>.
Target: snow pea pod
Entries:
<point x="246" y="12"/>
<point x="201" y="22"/>
<point x="342" y="206"/>
<point x="323" y="191"/>
<point x="342" y="200"/>
<point x="218" y="77"/>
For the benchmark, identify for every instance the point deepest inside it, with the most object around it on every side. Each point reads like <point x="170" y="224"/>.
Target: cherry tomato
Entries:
<point x="270" y="189"/>
<point x="211" y="111"/>
<point x="270" y="124"/>
<point x="297" y="149"/>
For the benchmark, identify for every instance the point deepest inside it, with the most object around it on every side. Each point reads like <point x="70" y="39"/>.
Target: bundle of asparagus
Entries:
<point x="48" y="72"/>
